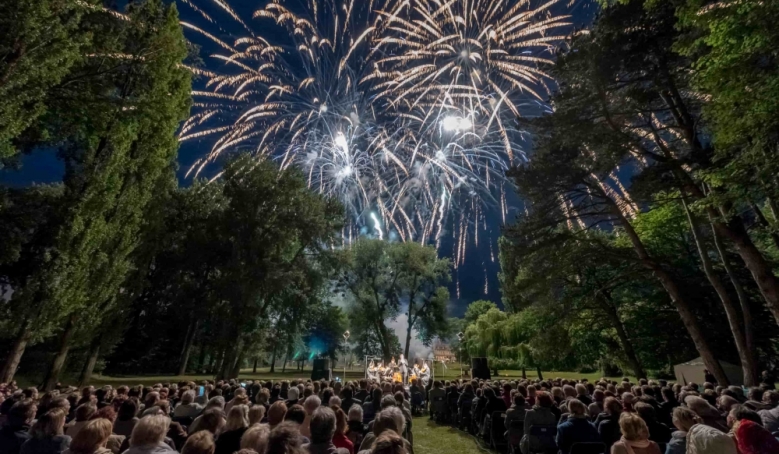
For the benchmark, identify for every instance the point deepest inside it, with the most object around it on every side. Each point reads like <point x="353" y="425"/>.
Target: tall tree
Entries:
<point x="421" y="286"/>
<point x="39" y="43"/>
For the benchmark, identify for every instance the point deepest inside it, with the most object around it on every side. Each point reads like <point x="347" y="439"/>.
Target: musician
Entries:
<point x="415" y="371"/>
<point x="372" y="372"/>
<point x="424" y="374"/>
<point x="403" y="365"/>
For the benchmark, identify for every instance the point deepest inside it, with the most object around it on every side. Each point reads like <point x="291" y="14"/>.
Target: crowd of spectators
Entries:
<point x="648" y="417"/>
<point x="224" y="417"/>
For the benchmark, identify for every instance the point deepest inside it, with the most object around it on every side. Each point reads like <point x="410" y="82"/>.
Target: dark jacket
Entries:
<point x="46" y="445"/>
<point x="346" y="404"/>
<point x="12" y="437"/>
<point x="514" y="413"/>
<point x="361" y="395"/>
<point x="229" y="442"/>
<point x="658" y="432"/>
<point x="678" y="443"/>
<point x="494" y="404"/>
<point x="665" y="412"/>
<point x="575" y="430"/>
<point x="608" y="429"/>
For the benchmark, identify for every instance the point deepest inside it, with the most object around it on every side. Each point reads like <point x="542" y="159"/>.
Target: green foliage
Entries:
<point x="477" y="309"/>
<point x="40" y="41"/>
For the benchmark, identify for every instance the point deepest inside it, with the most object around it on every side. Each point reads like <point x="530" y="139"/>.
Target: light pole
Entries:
<point x="460" y="337"/>
<point x="346" y="340"/>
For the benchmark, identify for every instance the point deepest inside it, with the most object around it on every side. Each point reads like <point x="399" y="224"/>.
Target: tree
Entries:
<point x="113" y="119"/>
<point x="476" y="309"/>
<point x="421" y="276"/>
<point x="39" y="43"/>
<point x="371" y="278"/>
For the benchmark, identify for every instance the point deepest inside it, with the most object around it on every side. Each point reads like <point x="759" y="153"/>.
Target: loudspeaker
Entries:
<point x="321" y="369"/>
<point x="480" y="369"/>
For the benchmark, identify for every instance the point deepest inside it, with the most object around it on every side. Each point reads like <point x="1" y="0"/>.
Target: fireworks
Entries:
<point x="401" y="109"/>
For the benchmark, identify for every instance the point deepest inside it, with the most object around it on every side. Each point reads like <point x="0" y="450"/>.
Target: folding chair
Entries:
<point x="514" y="435"/>
<point x="496" y="430"/>
<point x="590" y="448"/>
<point x="544" y="439"/>
<point x="438" y="408"/>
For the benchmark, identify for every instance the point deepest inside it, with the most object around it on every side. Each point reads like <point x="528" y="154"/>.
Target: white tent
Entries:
<point x="692" y="371"/>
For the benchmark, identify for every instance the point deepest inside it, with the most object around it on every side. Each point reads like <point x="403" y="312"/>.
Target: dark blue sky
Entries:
<point x="43" y="167"/>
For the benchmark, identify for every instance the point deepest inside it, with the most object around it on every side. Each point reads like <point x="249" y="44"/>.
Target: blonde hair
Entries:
<point x="93" y="435"/>
<point x="256" y="437"/>
<point x="256" y="413"/>
<point x="633" y="427"/>
<point x="684" y="418"/>
<point x="201" y="442"/>
<point x="150" y="430"/>
<point x="50" y="424"/>
<point x="238" y="418"/>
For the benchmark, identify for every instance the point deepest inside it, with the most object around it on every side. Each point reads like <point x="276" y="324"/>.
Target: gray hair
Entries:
<point x="388" y="401"/>
<point x="322" y="425"/>
<point x="216" y="402"/>
<point x="355" y="413"/>
<point x="389" y="419"/>
<point x="188" y="397"/>
<point x="312" y="403"/>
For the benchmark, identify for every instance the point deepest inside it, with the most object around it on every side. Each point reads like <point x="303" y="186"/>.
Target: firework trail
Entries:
<point x="401" y="109"/>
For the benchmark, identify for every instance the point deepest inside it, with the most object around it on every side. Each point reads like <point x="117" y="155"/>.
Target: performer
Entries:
<point x="380" y="372"/>
<point x="372" y="372"/>
<point x="415" y="371"/>
<point x="424" y="374"/>
<point x="403" y="365"/>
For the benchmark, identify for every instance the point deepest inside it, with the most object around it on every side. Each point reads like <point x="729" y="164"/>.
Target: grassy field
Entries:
<point x="432" y="438"/>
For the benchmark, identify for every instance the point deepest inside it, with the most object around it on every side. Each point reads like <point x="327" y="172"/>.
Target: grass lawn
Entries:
<point x="432" y="438"/>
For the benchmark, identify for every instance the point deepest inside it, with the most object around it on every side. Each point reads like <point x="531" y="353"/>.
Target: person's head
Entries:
<point x="771" y="398"/>
<point x="684" y="418"/>
<point x="50" y="424"/>
<point x="285" y="439"/>
<point x="216" y="402"/>
<point x="355" y="413"/>
<point x="276" y="413"/>
<point x="389" y="443"/>
<point x="577" y="408"/>
<point x="256" y="438"/>
<point x="739" y="412"/>
<point x="295" y="413"/>
<point x="188" y="397"/>
<point x="22" y="413"/>
<point x="92" y="436"/>
<point x="238" y="418"/>
<point x="544" y="400"/>
<point x="106" y="412"/>
<point x="322" y="425"/>
<point x="633" y="427"/>
<point x="518" y="400"/>
<point x="256" y="413"/>
<point x="389" y="419"/>
<point x="612" y="406"/>
<point x="127" y="410"/>
<point x="201" y="442"/>
<point x="311" y="403"/>
<point x="646" y="411"/>
<point x="150" y="430"/>
<point x="292" y="394"/>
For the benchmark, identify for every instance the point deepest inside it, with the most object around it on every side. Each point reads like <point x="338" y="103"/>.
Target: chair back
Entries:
<point x="589" y="448"/>
<point x="543" y="439"/>
<point x="497" y="428"/>
<point x="438" y="404"/>
<point x="516" y="432"/>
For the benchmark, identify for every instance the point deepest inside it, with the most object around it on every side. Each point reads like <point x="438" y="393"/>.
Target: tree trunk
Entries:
<point x="53" y="374"/>
<point x="764" y="222"/>
<point x="16" y="353"/>
<point x="627" y="345"/>
<point x="89" y="365"/>
<point x="220" y="358"/>
<point x="524" y="373"/>
<point x="408" y="334"/>
<point x="254" y="368"/>
<point x="187" y="348"/>
<point x="747" y="360"/>
<point x="538" y="371"/>
<point x="383" y="340"/>
<point x="201" y="361"/>
<point x="743" y="298"/>
<point x="273" y="358"/>
<point x="761" y="271"/>
<point x="682" y="306"/>
<point x="236" y="369"/>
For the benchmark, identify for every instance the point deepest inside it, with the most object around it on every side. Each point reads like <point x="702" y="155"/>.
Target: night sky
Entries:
<point x="43" y="167"/>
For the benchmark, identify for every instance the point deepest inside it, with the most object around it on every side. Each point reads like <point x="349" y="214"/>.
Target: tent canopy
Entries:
<point x="692" y="371"/>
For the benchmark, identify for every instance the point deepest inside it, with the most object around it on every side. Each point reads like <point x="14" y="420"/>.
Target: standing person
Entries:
<point x="47" y="434"/>
<point x="403" y="365"/>
<point x="635" y="436"/>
